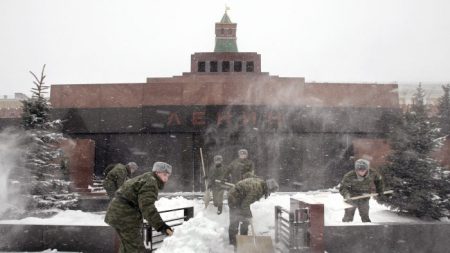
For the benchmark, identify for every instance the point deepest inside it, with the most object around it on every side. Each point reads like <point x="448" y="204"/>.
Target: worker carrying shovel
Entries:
<point x="356" y="184"/>
<point x="240" y="197"/>
<point x="217" y="172"/>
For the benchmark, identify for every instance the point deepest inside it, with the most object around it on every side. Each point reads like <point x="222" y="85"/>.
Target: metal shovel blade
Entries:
<point x="254" y="244"/>
<point x="207" y="198"/>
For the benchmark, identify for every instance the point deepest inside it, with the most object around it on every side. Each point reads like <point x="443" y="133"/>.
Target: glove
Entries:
<point x="381" y="197"/>
<point x="347" y="197"/>
<point x="348" y="200"/>
<point x="166" y="230"/>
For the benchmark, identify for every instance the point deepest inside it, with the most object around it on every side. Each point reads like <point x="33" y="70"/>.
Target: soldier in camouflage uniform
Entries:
<point x="358" y="182"/>
<point x="241" y="167"/>
<point x="134" y="201"/>
<point x="240" y="197"/>
<point x="217" y="172"/>
<point x="117" y="176"/>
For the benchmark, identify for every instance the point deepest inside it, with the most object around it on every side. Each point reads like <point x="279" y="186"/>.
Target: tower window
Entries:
<point x="201" y="66"/>
<point x="225" y="66"/>
<point x="213" y="66"/>
<point x="250" y="66"/>
<point x="237" y="66"/>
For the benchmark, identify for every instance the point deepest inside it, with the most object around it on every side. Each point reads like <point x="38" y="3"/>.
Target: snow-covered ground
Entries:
<point x="208" y="232"/>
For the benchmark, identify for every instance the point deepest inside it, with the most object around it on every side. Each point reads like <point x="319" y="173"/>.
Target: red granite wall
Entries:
<point x="227" y="56"/>
<point x="374" y="150"/>
<point x="316" y="223"/>
<point x="81" y="155"/>
<point x="220" y="89"/>
<point x="377" y="150"/>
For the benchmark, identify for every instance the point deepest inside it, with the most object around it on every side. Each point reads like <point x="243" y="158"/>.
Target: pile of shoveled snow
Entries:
<point x="208" y="232"/>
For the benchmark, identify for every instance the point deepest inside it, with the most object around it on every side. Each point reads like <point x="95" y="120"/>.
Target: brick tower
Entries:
<point x="226" y="35"/>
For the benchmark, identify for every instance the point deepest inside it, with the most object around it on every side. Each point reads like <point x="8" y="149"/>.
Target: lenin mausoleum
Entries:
<point x="306" y="135"/>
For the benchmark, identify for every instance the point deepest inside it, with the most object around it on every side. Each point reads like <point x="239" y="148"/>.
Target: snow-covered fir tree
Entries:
<point x="410" y="171"/>
<point x="444" y="111"/>
<point x="48" y="183"/>
<point x="443" y="118"/>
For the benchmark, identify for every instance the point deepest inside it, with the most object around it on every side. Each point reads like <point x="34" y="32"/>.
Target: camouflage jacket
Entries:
<point x="240" y="169"/>
<point x="246" y="192"/>
<point x="216" y="172"/>
<point x="354" y="186"/>
<point x="115" y="178"/>
<point x="136" y="200"/>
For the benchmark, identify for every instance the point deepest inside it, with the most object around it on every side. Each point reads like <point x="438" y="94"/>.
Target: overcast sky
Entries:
<point x="108" y="41"/>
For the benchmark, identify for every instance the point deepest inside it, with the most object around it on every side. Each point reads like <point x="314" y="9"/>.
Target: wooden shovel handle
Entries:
<point x="369" y="195"/>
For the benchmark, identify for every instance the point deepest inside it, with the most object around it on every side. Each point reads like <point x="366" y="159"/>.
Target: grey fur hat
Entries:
<point x="243" y="152"/>
<point x="132" y="165"/>
<point x="362" y="164"/>
<point x="218" y="159"/>
<point x="162" y="167"/>
<point x="272" y="185"/>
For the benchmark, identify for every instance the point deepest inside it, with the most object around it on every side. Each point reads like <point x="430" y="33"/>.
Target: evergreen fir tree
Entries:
<point x="48" y="187"/>
<point x="410" y="171"/>
<point x="443" y="118"/>
<point x="444" y="111"/>
<point x="36" y="110"/>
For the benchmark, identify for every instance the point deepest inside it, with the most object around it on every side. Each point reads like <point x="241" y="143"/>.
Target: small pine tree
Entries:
<point x="36" y="110"/>
<point x="444" y="111"/>
<point x="48" y="189"/>
<point x="410" y="171"/>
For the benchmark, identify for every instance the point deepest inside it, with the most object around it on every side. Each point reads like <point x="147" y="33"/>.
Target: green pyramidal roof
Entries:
<point x="225" y="19"/>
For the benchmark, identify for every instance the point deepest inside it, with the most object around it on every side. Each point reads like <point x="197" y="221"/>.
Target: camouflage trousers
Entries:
<point x="218" y="197"/>
<point x="127" y="221"/>
<point x="363" y="209"/>
<point x="130" y="240"/>
<point x="236" y="217"/>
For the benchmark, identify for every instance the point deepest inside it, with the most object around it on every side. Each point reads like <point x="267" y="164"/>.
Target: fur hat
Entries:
<point x="362" y="164"/>
<point x="243" y="152"/>
<point x="218" y="159"/>
<point x="272" y="185"/>
<point x="162" y="167"/>
<point x="132" y="166"/>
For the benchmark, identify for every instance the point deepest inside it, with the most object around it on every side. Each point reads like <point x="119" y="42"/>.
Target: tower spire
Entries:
<point x="226" y="34"/>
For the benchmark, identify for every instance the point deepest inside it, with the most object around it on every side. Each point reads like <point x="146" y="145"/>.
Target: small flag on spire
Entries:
<point x="227" y="8"/>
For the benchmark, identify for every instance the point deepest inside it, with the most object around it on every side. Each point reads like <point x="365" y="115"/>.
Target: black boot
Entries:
<point x="219" y="209"/>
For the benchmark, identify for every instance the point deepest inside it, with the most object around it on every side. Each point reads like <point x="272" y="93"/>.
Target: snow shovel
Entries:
<point x="254" y="244"/>
<point x="224" y="183"/>
<point x="207" y="195"/>
<point x="347" y="205"/>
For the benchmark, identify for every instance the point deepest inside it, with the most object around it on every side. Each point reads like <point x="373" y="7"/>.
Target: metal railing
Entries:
<point x="292" y="230"/>
<point x="152" y="238"/>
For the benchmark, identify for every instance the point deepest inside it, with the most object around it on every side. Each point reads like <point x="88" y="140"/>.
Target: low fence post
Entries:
<point x="292" y="233"/>
<point x="188" y="213"/>
<point x="313" y="213"/>
<point x="277" y="233"/>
